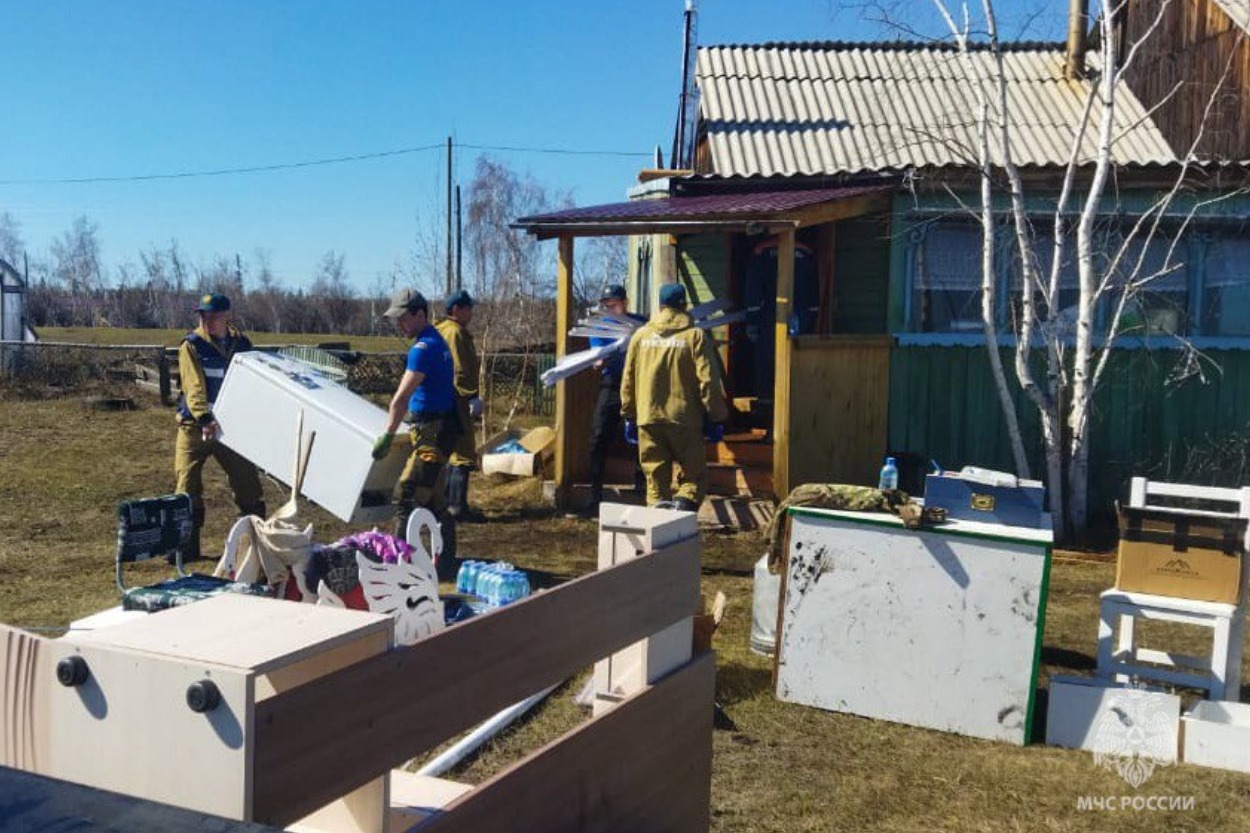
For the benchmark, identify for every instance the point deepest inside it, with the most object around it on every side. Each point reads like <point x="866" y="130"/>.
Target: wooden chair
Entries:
<point x="1219" y="673"/>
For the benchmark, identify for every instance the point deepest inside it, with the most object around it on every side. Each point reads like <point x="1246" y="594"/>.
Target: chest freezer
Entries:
<point x="259" y="407"/>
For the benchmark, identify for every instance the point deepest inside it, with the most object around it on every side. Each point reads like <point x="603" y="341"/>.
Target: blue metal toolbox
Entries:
<point x="988" y="497"/>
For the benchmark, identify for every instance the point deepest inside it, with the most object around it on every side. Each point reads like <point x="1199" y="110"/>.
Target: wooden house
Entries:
<point x="828" y="197"/>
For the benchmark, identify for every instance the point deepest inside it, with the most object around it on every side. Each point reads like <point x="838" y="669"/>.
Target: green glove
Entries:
<point x="382" y="445"/>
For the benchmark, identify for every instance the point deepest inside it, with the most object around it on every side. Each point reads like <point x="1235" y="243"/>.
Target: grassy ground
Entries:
<point x="117" y="335"/>
<point x="781" y="767"/>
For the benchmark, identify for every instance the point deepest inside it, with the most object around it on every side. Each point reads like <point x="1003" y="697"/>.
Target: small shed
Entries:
<point x="13" y="326"/>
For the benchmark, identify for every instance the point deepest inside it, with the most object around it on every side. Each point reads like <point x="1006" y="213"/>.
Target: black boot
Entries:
<point x="447" y="565"/>
<point x="684" y="504"/>
<point x="257" y="509"/>
<point x="457" y="490"/>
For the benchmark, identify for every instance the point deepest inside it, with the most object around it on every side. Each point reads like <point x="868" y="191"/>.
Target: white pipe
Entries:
<point x="481" y="734"/>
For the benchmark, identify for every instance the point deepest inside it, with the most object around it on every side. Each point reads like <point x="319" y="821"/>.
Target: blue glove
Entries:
<point x="713" y="432"/>
<point x="631" y="432"/>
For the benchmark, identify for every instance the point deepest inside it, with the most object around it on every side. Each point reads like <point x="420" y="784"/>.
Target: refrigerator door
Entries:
<point x="258" y="408"/>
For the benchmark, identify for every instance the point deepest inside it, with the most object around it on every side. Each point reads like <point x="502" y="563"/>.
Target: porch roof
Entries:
<point x="750" y="211"/>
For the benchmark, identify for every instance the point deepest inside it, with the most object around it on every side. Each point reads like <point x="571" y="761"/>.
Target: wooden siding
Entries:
<point x="838" y="397"/>
<point x="861" y="275"/>
<point x="943" y="406"/>
<point x="1194" y="43"/>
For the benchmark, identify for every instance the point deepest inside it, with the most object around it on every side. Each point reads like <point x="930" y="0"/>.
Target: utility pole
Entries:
<point x="459" y="242"/>
<point x="449" y="269"/>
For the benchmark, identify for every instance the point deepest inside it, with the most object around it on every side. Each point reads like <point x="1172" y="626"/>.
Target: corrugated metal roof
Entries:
<point x="1238" y="10"/>
<point x="834" y="108"/>
<point x="745" y="207"/>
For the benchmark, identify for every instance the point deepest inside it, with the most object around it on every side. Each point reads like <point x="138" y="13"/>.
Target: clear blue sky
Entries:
<point x="130" y="88"/>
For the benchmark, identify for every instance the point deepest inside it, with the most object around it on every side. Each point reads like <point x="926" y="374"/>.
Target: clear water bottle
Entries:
<point x="889" y="475"/>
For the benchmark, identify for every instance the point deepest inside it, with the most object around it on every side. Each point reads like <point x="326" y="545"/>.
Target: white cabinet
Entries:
<point x="938" y="627"/>
<point x="258" y="408"/>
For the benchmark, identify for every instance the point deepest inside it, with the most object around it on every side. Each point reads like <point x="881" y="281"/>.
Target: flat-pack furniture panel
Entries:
<point x="1112" y="718"/>
<point x="259" y="406"/>
<point x="133" y="706"/>
<point x="1217" y="734"/>
<point x="939" y="627"/>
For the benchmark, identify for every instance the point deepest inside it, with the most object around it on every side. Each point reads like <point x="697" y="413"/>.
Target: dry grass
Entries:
<point x="780" y="768"/>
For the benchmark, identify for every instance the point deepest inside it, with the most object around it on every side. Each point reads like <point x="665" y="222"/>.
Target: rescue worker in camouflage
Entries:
<point x="455" y="331"/>
<point x="203" y="357"/>
<point x="671" y="396"/>
<point x="426" y="400"/>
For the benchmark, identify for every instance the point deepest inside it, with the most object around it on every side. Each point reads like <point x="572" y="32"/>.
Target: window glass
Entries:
<point x="1159" y="293"/>
<point x="946" y="291"/>
<point x="1226" y="299"/>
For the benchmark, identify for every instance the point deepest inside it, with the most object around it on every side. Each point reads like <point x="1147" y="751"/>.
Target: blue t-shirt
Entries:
<point x="431" y="356"/>
<point x="614" y="365"/>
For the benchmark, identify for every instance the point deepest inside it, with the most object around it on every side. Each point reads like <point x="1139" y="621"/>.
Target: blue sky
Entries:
<point x="131" y="88"/>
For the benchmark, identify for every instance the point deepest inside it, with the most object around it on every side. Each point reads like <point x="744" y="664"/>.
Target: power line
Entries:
<point x="562" y="151"/>
<point x="311" y="163"/>
<point x="223" y="171"/>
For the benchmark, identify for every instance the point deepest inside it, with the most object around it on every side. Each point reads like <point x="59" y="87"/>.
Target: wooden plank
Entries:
<point x="782" y="357"/>
<point x="30" y="802"/>
<point x="839" y="438"/>
<point x="323" y="739"/>
<point x="644" y="765"/>
<point x="26" y="676"/>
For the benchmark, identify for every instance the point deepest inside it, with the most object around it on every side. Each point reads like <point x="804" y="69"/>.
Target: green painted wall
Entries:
<point x="861" y="272"/>
<point x="943" y="405"/>
<point x="703" y="266"/>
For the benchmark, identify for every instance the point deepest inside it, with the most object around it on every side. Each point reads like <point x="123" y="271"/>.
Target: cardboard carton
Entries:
<point x="539" y="445"/>
<point x="1170" y="552"/>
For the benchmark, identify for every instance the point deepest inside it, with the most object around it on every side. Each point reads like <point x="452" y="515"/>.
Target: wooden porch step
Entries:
<point x="746" y="481"/>
<point x="748" y="448"/>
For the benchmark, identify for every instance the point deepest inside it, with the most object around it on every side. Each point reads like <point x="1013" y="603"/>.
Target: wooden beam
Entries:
<point x="826" y="251"/>
<point x="331" y="735"/>
<point x="781" y="383"/>
<point x="644" y="765"/>
<point x="608" y="229"/>
<point x="568" y="415"/>
<point x="871" y="203"/>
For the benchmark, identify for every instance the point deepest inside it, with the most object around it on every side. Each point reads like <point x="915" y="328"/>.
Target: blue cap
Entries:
<point x="459" y="298"/>
<point x="672" y="295"/>
<point x="613" y="292"/>
<point x="213" y="302"/>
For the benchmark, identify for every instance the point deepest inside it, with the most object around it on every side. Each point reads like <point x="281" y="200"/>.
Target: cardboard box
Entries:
<point x="1217" y="734"/>
<point x="967" y="499"/>
<point x="539" y="445"/>
<point x="1169" y="552"/>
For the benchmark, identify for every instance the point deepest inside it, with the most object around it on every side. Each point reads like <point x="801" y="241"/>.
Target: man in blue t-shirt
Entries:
<point x="426" y="400"/>
<point x="607" y="419"/>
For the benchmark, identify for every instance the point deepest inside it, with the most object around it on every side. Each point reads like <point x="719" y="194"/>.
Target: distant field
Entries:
<point x="121" y="335"/>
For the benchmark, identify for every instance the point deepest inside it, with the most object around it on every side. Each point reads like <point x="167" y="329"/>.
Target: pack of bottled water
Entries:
<point x="495" y="582"/>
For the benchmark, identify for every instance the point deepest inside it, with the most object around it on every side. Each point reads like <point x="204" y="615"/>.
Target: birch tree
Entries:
<point x="1109" y="277"/>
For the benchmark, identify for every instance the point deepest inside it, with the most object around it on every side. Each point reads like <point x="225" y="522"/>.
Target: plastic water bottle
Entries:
<point x="889" y="475"/>
<point x="464" y="576"/>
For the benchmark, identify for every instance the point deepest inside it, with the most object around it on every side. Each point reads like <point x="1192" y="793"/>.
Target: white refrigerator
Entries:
<point x="259" y="407"/>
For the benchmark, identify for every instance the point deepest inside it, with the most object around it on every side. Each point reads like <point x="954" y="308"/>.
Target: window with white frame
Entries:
<point x="946" y="279"/>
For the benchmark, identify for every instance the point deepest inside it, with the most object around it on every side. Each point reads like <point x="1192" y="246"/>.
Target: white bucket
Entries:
<point x="764" y="609"/>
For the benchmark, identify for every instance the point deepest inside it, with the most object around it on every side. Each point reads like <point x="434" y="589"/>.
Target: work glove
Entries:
<point x="713" y="432"/>
<point x="631" y="432"/>
<point x="475" y="407"/>
<point x="382" y="445"/>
